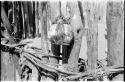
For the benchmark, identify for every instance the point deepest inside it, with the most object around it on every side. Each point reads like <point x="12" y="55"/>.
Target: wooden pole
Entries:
<point x="78" y="30"/>
<point x="92" y="35"/>
<point x="115" y="35"/>
<point x="115" y="32"/>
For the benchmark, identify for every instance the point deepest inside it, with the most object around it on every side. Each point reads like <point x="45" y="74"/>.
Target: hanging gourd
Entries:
<point x="60" y="31"/>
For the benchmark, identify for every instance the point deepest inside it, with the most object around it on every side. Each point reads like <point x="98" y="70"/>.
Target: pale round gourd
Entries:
<point x="60" y="34"/>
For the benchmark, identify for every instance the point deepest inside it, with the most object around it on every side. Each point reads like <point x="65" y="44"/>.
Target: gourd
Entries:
<point x="60" y="31"/>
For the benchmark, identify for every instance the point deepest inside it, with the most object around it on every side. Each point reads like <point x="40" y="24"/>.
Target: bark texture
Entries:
<point x="92" y="34"/>
<point x="115" y="33"/>
<point x="78" y="26"/>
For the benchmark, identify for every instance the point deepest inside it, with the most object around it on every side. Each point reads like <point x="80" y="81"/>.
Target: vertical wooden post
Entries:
<point x="115" y="33"/>
<point x="78" y="30"/>
<point x="92" y="35"/>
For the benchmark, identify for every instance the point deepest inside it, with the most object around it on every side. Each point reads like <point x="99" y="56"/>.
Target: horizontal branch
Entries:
<point x="96" y="73"/>
<point x="74" y="75"/>
<point x="42" y="64"/>
<point x="48" y="67"/>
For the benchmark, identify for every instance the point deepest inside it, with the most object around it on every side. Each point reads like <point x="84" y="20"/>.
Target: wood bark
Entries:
<point x="7" y="67"/>
<point x="115" y="33"/>
<point x="78" y="30"/>
<point x="92" y="34"/>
